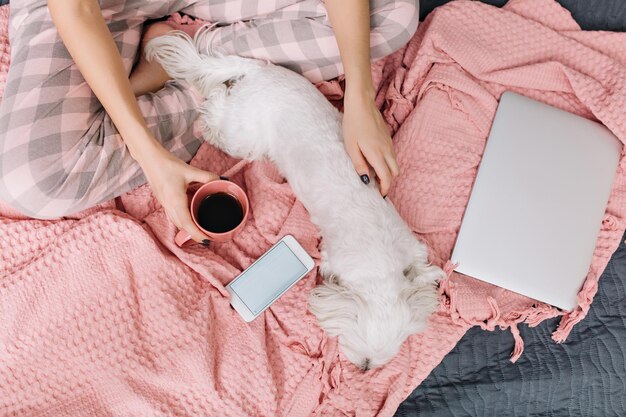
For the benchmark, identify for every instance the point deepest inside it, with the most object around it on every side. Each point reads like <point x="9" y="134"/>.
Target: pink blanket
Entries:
<point x="101" y="314"/>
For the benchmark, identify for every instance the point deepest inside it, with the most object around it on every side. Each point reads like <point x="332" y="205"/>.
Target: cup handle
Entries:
<point x="182" y="237"/>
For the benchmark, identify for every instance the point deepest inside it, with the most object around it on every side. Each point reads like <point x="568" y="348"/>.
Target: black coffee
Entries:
<point x="219" y="213"/>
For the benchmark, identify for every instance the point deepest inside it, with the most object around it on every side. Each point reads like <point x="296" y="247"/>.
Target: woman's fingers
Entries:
<point x="392" y="163"/>
<point x="183" y="216"/>
<point x="378" y="162"/>
<point x="382" y="160"/>
<point x="358" y="160"/>
<point x="192" y="174"/>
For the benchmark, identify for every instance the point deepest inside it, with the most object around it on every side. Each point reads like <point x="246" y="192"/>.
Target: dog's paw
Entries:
<point x="420" y="272"/>
<point x="325" y="269"/>
<point x="423" y="300"/>
<point x="422" y="294"/>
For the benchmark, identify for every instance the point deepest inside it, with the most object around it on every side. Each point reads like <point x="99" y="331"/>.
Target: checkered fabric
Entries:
<point x="59" y="150"/>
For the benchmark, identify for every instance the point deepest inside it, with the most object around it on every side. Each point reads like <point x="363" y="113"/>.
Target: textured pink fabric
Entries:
<point x="444" y="94"/>
<point x="439" y="96"/>
<point x="101" y="314"/>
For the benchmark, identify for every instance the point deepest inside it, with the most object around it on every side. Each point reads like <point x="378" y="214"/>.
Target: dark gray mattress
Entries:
<point x="586" y="376"/>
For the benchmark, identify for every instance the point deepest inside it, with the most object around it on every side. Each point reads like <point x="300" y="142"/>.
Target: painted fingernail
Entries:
<point x="205" y="242"/>
<point x="365" y="178"/>
<point x="224" y="178"/>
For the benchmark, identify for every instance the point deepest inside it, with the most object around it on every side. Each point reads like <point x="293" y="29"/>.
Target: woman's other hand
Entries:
<point x="169" y="178"/>
<point x="366" y="135"/>
<point x="367" y="139"/>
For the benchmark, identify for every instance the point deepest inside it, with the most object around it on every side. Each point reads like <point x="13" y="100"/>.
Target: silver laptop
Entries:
<point x="537" y="204"/>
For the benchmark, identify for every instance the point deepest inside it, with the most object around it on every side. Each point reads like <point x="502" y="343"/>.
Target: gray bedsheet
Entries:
<point x="586" y="376"/>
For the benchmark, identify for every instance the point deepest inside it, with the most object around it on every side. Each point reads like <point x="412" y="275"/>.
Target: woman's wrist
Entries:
<point x="142" y="144"/>
<point x="359" y="98"/>
<point x="360" y="87"/>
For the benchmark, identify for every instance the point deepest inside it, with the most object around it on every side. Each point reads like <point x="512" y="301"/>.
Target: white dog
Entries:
<point x="379" y="287"/>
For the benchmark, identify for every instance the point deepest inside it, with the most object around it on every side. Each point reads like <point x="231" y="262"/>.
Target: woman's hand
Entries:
<point x="365" y="133"/>
<point x="367" y="138"/>
<point x="169" y="178"/>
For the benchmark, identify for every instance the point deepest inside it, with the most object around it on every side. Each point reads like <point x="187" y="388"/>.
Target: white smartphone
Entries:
<point x="269" y="277"/>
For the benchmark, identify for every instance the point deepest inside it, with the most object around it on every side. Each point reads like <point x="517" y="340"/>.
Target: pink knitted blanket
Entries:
<point x="101" y="313"/>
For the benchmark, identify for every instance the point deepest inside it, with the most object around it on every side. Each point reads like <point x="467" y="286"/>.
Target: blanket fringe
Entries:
<point x="567" y="324"/>
<point x="495" y="314"/>
<point x="446" y="290"/>
<point x="235" y="168"/>
<point x="541" y="313"/>
<point x="448" y="267"/>
<point x="519" y="343"/>
<point x="537" y="314"/>
<point x="511" y="322"/>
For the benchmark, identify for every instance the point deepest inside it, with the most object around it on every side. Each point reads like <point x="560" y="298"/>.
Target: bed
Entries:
<point x="586" y="376"/>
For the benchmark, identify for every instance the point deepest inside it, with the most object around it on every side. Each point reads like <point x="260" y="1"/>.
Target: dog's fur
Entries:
<point x="379" y="287"/>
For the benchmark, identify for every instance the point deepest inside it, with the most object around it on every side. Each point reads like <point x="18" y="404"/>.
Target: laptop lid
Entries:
<point x="538" y="200"/>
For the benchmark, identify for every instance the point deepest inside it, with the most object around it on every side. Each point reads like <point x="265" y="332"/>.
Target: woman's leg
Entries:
<point x="59" y="150"/>
<point x="297" y="34"/>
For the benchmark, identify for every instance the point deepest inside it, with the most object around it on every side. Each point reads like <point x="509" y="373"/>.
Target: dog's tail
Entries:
<point x="178" y="55"/>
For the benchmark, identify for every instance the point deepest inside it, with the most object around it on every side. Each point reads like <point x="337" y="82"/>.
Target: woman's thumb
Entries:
<point x="196" y="174"/>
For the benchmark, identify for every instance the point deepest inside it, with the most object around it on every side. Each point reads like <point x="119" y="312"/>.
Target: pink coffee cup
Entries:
<point x="213" y="187"/>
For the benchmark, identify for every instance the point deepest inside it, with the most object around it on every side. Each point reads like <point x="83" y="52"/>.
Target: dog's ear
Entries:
<point x="335" y="306"/>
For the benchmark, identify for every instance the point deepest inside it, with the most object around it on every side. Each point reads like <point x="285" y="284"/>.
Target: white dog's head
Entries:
<point x="372" y="327"/>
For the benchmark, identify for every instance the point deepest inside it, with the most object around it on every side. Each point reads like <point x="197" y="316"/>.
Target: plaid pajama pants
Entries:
<point x="59" y="150"/>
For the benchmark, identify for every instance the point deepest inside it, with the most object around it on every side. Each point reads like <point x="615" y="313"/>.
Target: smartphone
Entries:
<point x="269" y="277"/>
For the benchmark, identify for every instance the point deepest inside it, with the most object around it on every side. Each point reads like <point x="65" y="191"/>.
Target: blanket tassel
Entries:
<point x="519" y="343"/>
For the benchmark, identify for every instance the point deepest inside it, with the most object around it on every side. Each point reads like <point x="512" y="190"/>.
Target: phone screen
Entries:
<point x="268" y="278"/>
